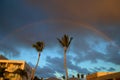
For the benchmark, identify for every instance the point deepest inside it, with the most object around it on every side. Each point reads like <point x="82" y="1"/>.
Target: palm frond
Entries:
<point x="39" y="46"/>
<point x="60" y="41"/>
<point x="70" y="40"/>
<point x="65" y="40"/>
<point x="34" y="45"/>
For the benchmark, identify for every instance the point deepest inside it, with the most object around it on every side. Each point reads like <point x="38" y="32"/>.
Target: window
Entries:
<point x="3" y="64"/>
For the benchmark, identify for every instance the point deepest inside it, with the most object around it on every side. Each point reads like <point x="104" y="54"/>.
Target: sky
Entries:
<point x="93" y="24"/>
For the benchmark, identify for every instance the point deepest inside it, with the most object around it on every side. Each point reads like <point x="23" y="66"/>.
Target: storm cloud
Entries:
<point x="94" y="26"/>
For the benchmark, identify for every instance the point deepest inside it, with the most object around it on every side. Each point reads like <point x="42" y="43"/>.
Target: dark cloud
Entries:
<point x="24" y="22"/>
<point x="111" y="69"/>
<point x="105" y="11"/>
<point x="95" y="49"/>
<point x="8" y="51"/>
<point x="111" y="30"/>
<point x="59" y="65"/>
<point x="113" y="54"/>
<point x="104" y="68"/>
<point x="56" y="65"/>
<point x="44" y="72"/>
<point x="97" y="69"/>
<point x="92" y="56"/>
<point x="85" y="51"/>
<point x="15" y="14"/>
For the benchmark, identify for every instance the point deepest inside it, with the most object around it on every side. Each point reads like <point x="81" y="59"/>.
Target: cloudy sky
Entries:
<point x="93" y="24"/>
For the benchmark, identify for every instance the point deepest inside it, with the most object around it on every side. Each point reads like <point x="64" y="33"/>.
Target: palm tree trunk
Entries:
<point x="33" y="72"/>
<point x="65" y="63"/>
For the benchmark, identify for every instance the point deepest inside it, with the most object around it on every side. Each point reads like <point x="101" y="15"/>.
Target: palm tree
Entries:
<point x="65" y="42"/>
<point x="39" y="47"/>
<point x="21" y="72"/>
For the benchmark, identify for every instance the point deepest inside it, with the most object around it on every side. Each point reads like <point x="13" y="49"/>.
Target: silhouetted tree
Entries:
<point x="2" y="72"/>
<point x="65" y="42"/>
<point x="42" y="78"/>
<point x="82" y="76"/>
<point x="21" y="73"/>
<point x="78" y="76"/>
<point x="63" y="77"/>
<point x="39" y="47"/>
<point x="73" y="76"/>
<point x="36" y="78"/>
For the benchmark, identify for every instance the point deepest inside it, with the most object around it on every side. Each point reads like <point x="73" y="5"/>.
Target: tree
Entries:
<point x="78" y="76"/>
<point x="39" y="47"/>
<point x="36" y="78"/>
<point x="21" y="72"/>
<point x="63" y="77"/>
<point x="42" y="78"/>
<point x="2" y="71"/>
<point x="73" y="76"/>
<point x="65" y="42"/>
<point x="82" y="76"/>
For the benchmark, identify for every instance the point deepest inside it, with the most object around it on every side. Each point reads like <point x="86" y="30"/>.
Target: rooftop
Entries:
<point x="3" y="57"/>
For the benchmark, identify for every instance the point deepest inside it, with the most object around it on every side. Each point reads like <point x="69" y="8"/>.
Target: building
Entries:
<point x="104" y="76"/>
<point x="73" y="79"/>
<point x="11" y="66"/>
<point x="2" y="57"/>
<point x="52" y="78"/>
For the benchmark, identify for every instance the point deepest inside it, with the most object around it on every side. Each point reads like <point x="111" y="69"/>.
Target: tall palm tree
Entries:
<point x="65" y="42"/>
<point x="39" y="47"/>
<point x="21" y="72"/>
